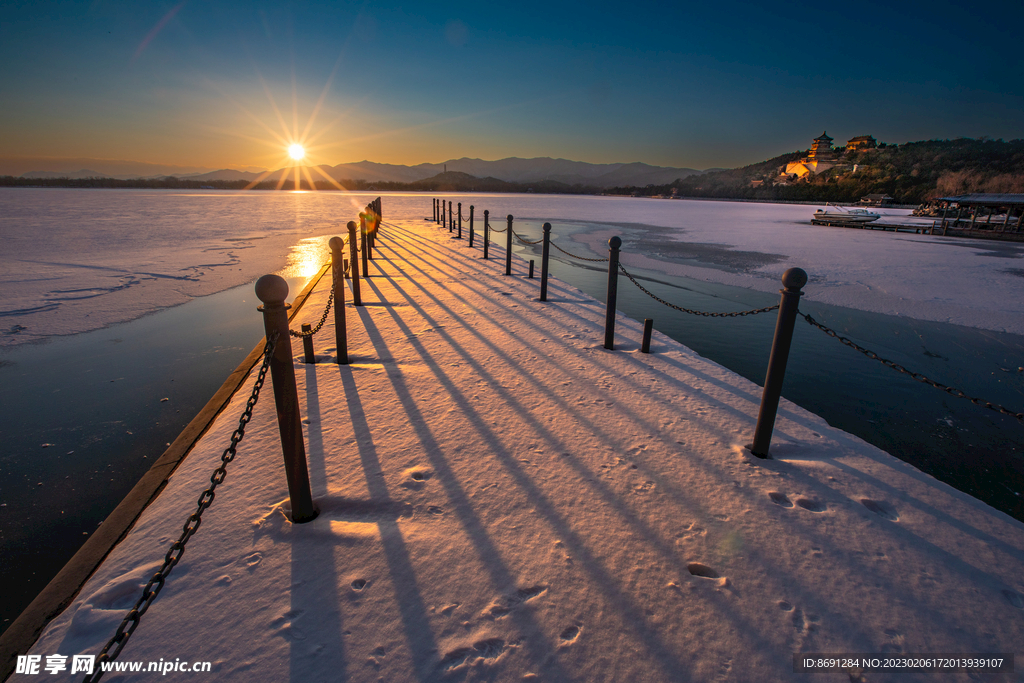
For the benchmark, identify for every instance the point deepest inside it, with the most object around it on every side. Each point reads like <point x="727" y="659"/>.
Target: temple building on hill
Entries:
<point x="821" y="158"/>
<point x="861" y="143"/>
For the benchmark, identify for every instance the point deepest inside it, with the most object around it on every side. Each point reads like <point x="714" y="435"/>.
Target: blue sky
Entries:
<point x="225" y="84"/>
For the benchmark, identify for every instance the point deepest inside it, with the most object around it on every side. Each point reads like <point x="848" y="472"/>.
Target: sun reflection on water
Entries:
<point x="307" y="258"/>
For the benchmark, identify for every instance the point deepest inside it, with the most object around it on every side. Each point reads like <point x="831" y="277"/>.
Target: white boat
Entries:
<point x="839" y="214"/>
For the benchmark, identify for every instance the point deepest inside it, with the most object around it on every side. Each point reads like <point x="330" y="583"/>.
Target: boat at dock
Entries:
<point x="834" y="213"/>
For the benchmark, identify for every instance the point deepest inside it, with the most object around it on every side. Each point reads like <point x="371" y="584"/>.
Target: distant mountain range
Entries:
<point x="514" y="170"/>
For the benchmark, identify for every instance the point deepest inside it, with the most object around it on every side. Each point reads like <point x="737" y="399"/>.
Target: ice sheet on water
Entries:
<point x="76" y="260"/>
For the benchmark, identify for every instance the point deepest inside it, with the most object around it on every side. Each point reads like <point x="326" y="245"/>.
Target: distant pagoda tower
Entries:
<point x="821" y="158"/>
<point x="822" y="150"/>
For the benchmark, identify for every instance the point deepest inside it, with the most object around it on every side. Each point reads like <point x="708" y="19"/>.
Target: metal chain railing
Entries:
<point x="494" y="229"/>
<point x="915" y="375"/>
<point x="131" y="620"/>
<point x="706" y="314"/>
<point x="581" y="258"/>
<point x="330" y="300"/>
<point x="526" y="241"/>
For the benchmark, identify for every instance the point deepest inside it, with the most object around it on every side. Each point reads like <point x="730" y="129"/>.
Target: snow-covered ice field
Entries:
<point x="504" y="500"/>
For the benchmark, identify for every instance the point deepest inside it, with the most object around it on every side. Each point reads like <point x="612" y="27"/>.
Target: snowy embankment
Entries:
<point x="502" y="499"/>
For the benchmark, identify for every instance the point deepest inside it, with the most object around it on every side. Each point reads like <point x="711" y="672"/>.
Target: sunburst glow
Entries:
<point x="301" y="163"/>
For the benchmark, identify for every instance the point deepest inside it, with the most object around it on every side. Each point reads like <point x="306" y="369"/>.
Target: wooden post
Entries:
<point x="338" y="272"/>
<point x="793" y="281"/>
<point x="508" y="247"/>
<point x="451" y="219"/>
<point x="613" y="290"/>
<point x="459" y="236"/>
<point x="353" y="263"/>
<point x="545" y="252"/>
<point x="272" y="290"/>
<point x="470" y="226"/>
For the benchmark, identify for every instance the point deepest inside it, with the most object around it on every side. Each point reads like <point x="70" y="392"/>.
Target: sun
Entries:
<point x="296" y="151"/>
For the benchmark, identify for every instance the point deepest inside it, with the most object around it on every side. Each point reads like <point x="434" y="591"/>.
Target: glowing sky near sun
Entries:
<point x="233" y="84"/>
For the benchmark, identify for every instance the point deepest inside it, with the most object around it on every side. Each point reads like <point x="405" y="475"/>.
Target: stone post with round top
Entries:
<point x="272" y="290"/>
<point x="487" y="231"/>
<point x="508" y="247"/>
<point x="362" y="244"/>
<point x="545" y="253"/>
<point x="793" y="281"/>
<point x="338" y="272"/>
<point x="353" y="263"/>
<point x="613" y="292"/>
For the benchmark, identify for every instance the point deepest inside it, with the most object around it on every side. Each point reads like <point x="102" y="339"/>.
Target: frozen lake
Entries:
<point x="76" y="260"/>
<point x="92" y="334"/>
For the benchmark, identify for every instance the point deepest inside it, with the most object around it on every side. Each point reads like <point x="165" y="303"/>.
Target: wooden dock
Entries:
<point x="874" y="225"/>
<point x="934" y="229"/>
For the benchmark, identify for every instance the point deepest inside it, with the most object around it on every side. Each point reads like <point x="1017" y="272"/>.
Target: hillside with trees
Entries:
<point x="910" y="173"/>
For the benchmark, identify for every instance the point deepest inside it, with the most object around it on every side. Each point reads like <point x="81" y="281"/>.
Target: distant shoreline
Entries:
<point x="181" y="184"/>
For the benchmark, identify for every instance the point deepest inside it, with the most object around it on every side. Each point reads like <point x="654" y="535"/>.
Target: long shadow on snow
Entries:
<point x="489" y="554"/>
<point x="690" y="370"/>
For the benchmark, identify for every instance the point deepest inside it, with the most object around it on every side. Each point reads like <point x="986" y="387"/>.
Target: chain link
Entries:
<point x="581" y="258"/>
<point x="330" y="300"/>
<point x="526" y="241"/>
<point x="494" y="229"/>
<point x="706" y="314"/>
<point x="915" y="375"/>
<point x="131" y="620"/>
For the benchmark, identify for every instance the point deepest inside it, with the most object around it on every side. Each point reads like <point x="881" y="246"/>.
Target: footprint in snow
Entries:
<point x="504" y="604"/>
<point x="701" y="570"/>
<point x="284" y="626"/>
<point x="811" y="504"/>
<point x="1013" y="598"/>
<point x="486" y="651"/>
<point x="881" y="509"/>
<point x="780" y="499"/>
<point x="416" y="477"/>
<point x="571" y="634"/>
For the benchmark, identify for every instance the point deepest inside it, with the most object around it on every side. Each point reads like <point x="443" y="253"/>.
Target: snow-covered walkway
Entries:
<point x="502" y="499"/>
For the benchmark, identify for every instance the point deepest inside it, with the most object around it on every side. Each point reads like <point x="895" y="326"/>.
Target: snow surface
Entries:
<point x="77" y="260"/>
<point x="502" y="499"/>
